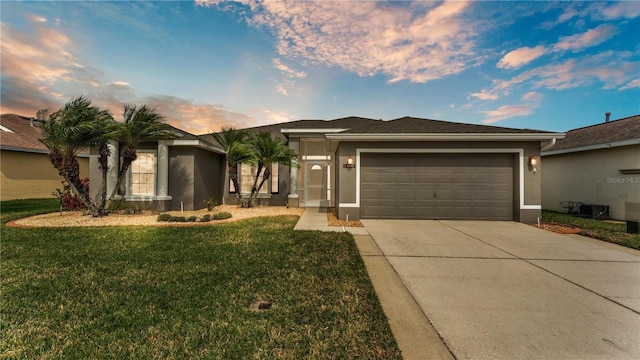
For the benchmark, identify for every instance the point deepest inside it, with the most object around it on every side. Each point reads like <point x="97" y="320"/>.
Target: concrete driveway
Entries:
<point x="505" y="290"/>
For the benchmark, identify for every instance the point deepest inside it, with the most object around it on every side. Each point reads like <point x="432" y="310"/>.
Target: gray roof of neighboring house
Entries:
<point x="18" y="134"/>
<point x="604" y="133"/>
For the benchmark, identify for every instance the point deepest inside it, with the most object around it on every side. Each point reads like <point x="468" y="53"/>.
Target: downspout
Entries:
<point x="551" y="144"/>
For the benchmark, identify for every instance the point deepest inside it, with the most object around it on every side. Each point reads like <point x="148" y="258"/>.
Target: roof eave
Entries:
<point x="447" y="137"/>
<point x="312" y="131"/>
<point x="608" y="145"/>
<point x="195" y="143"/>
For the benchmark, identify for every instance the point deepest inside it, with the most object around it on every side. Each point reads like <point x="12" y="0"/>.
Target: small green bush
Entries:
<point x="124" y="207"/>
<point x="171" y="218"/>
<point x="221" y="215"/>
<point x="164" y="217"/>
<point x="205" y="218"/>
<point x="210" y="204"/>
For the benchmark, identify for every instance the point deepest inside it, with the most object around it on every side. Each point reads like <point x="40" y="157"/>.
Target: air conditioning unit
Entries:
<point x="594" y="211"/>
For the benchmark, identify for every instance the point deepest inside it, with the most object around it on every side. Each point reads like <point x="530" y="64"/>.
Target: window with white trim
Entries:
<point x="247" y="176"/>
<point x="143" y="174"/>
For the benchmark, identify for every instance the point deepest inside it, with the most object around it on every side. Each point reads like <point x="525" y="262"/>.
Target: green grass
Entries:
<point x="186" y="292"/>
<point x="603" y="230"/>
<point x="16" y="209"/>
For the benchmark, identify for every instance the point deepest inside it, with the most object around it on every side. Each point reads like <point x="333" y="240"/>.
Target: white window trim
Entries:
<point x="144" y="197"/>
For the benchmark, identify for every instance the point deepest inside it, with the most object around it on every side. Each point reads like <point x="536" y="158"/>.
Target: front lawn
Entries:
<point x="186" y="292"/>
<point x="608" y="231"/>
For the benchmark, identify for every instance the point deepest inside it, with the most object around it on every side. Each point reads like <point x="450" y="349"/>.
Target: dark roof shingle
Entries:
<point x="608" y="132"/>
<point x="19" y="134"/>
<point x="411" y="125"/>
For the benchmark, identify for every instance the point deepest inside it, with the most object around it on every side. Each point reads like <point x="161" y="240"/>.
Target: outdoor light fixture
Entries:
<point x="350" y="163"/>
<point x="533" y="162"/>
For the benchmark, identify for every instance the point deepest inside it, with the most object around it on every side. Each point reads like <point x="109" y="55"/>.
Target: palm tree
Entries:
<point x="237" y="150"/>
<point x="77" y="125"/>
<point x="268" y="150"/>
<point x="140" y="124"/>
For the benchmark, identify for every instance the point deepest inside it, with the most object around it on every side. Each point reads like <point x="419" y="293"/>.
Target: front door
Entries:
<point x="318" y="184"/>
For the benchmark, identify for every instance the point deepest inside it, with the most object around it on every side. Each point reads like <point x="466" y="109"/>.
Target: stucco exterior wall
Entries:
<point x="31" y="175"/>
<point x="208" y="170"/>
<point x="592" y="177"/>
<point x="347" y="178"/>
<point x="181" y="178"/>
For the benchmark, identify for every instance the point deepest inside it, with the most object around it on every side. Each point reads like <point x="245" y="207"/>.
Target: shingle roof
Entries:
<point x="24" y="137"/>
<point x="404" y="125"/>
<point x="18" y="134"/>
<point x="411" y="125"/>
<point x="604" y="133"/>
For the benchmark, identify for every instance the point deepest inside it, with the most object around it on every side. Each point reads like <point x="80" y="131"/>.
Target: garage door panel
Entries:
<point x="406" y="194"/>
<point x="388" y="195"/>
<point x="424" y="177"/>
<point x="466" y="186"/>
<point x="388" y="178"/>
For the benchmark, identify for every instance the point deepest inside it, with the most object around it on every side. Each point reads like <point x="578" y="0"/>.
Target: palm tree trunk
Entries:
<point x="105" y="152"/>
<point x="71" y="173"/>
<point x="265" y="177"/>
<point x="254" y="189"/>
<point x="129" y="155"/>
<point x="233" y="176"/>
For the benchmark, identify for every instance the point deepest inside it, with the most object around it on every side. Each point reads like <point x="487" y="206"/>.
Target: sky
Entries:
<point x="205" y="64"/>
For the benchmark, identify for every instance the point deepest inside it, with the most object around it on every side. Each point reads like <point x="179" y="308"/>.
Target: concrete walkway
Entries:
<point x="412" y="330"/>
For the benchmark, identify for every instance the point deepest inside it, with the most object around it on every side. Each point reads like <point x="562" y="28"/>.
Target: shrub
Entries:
<point x="178" y="219"/>
<point x="124" y="207"/>
<point x="210" y="204"/>
<point x="164" y="217"/>
<point x="67" y="198"/>
<point x="192" y="218"/>
<point x="205" y="218"/>
<point x="221" y="215"/>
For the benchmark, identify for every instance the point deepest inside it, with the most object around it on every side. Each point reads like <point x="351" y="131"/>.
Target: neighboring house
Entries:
<point x="598" y="164"/>
<point x="181" y="173"/>
<point x="408" y="168"/>
<point x="27" y="172"/>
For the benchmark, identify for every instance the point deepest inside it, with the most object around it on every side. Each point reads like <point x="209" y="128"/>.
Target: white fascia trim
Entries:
<point x="6" y="129"/>
<point x="447" y="137"/>
<point x="316" y="157"/>
<point x="592" y="147"/>
<point x="145" y="197"/>
<point x="194" y="143"/>
<point x="521" y="165"/>
<point x="312" y="131"/>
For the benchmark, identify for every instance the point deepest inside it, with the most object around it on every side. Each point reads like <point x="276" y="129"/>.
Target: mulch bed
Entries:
<point x="334" y="221"/>
<point x="560" y="228"/>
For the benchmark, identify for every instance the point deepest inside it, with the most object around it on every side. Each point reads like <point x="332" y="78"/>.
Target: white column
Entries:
<point x="293" y="194"/>
<point x="113" y="166"/>
<point x="163" y="169"/>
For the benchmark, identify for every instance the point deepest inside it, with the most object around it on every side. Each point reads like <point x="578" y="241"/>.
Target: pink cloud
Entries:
<point x="420" y="42"/>
<point x="590" y="38"/>
<point x="621" y="10"/>
<point x="506" y="112"/>
<point x="635" y="83"/>
<point x="43" y="70"/>
<point x="520" y="57"/>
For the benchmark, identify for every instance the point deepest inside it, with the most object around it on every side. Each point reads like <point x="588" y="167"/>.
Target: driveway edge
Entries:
<point x="416" y="337"/>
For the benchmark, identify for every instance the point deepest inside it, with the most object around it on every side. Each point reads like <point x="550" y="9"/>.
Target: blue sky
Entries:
<point x="206" y="64"/>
